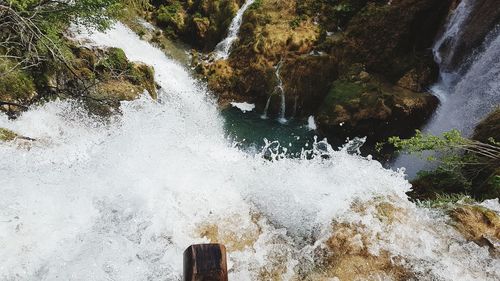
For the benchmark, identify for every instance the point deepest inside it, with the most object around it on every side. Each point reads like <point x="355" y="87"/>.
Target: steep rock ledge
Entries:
<point x="323" y="44"/>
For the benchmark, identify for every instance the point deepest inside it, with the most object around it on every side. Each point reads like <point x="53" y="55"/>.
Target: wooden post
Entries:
<point x="205" y="262"/>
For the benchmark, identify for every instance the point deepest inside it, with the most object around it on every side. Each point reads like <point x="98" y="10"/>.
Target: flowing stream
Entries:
<point x="121" y="200"/>
<point x="223" y="49"/>
<point x="467" y="94"/>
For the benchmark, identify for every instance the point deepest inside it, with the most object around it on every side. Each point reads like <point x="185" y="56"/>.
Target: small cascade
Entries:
<point x="281" y="90"/>
<point x="266" y="109"/>
<point x="222" y="50"/>
<point x="448" y="40"/>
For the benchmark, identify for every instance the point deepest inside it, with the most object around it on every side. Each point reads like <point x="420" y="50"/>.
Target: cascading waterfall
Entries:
<point x="223" y="49"/>
<point x="266" y="108"/>
<point x="466" y="94"/>
<point x="452" y="30"/>
<point x="281" y="90"/>
<point x="121" y="200"/>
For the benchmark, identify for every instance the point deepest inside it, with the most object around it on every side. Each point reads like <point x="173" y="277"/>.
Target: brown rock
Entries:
<point x="478" y="224"/>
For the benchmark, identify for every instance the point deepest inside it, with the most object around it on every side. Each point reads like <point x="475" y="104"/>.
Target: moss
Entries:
<point x="16" y="85"/>
<point x="343" y="91"/>
<point x="171" y="16"/>
<point x="7" y="135"/>
<point x="116" y="59"/>
<point x="143" y="75"/>
<point x="201" y="23"/>
<point x="430" y="185"/>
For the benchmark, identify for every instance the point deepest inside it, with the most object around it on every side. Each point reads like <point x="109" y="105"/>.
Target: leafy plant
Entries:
<point x="463" y="163"/>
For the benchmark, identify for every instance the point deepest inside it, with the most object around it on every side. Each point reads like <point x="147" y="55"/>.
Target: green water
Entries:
<point x="250" y="131"/>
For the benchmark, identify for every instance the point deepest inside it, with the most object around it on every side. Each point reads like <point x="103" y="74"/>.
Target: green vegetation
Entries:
<point x="35" y="54"/>
<point x="344" y="91"/>
<point x="464" y="165"/>
<point x="7" y="135"/>
<point x="200" y="23"/>
<point x="33" y="30"/>
<point x="116" y="60"/>
<point x="447" y="200"/>
<point x="256" y="5"/>
<point x="15" y="84"/>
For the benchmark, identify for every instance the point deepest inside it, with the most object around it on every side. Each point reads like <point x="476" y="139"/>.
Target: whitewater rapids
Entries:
<point x="122" y="200"/>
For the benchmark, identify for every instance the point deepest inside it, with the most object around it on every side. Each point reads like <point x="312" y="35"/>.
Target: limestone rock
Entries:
<point x="478" y="224"/>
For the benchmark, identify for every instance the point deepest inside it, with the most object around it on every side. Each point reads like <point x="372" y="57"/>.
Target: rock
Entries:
<point x="392" y="39"/>
<point x="376" y="110"/>
<point x="16" y="87"/>
<point x="10" y="136"/>
<point x="478" y="224"/>
<point x="306" y="81"/>
<point x="487" y="177"/>
<point x="101" y="78"/>
<point x="346" y="257"/>
<point x="488" y="128"/>
<point x="417" y="80"/>
<point x="372" y="41"/>
<point x="201" y="23"/>
<point x="364" y="76"/>
<point x="7" y="135"/>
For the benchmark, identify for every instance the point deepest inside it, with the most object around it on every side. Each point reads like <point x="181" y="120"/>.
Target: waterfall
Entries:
<point x="223" y="49"/>
<point x="466" y="94"/>
<point x="266" y="109"/>
<point x="451" y="35"/>
<point x="121" y="200"/>
<point x="281" y="90"/>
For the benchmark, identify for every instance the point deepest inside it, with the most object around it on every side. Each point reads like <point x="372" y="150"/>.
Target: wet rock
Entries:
<point x="393" y="39"/>
<point x="306" y="80"/>
<point x="17" y="88"/>
<point x="7" y="135"/>
<point x="488" y="128"/>
<point x="201" y="23"/>
<point x="375" y="110"/>
<point x="11" y="136"/>
<point x="101" y="78"/>
<point x="346" y="257"/>
<point x="478" y="224"/>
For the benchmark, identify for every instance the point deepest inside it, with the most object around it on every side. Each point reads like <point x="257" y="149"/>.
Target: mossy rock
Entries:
<point x="143" y="75"/>
<point x="478" y="224"/>
<point x="116" y="59"/>
<point x="430" y="185"/>
<point x="489" y="128"/>
<point x="201" y="23"/>
<point x="7" y="135"/>
<point x="16" y="86"/>
<point x="372" y="108"/>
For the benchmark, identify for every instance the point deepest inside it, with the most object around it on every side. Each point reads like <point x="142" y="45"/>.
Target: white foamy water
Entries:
<point x="122" y="200"/>
<point x="223" y="49"/>
<point x="244" y="106"/>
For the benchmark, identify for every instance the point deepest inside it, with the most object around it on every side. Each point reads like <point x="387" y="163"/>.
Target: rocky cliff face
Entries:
<point x="361" y="66"/>
<point x="201" y="23"/>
